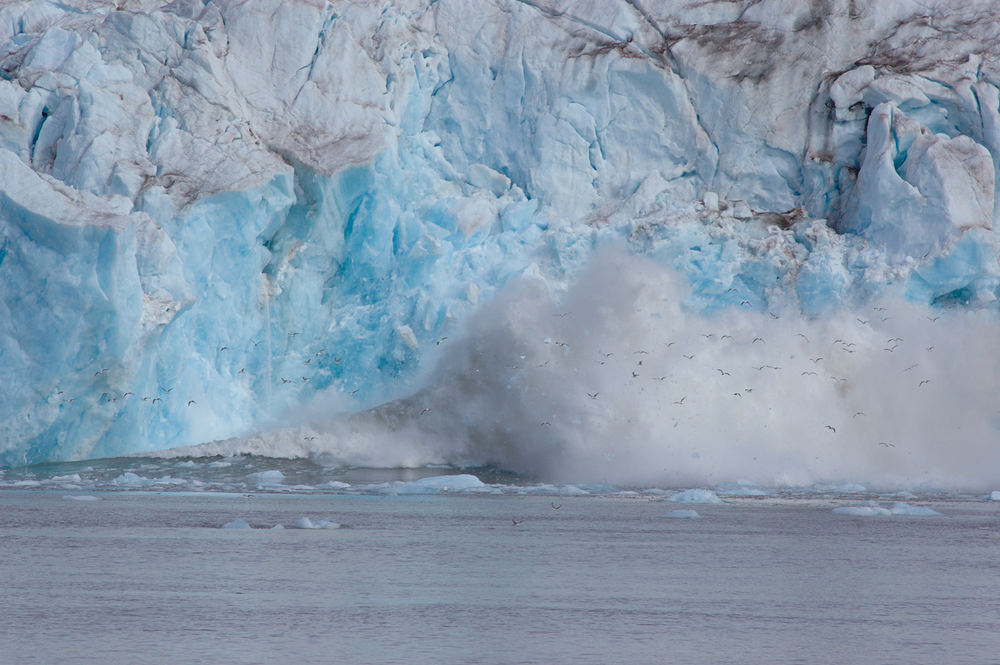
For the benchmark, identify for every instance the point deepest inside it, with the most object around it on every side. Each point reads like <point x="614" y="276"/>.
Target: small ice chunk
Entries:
<point x="901" y="508"/>
<point x="683" y="514"/>
<point x="333" y="485"/>
<point x="80" y="497"/>
<point x="405" y="333"/>
<point x="696" y="496"/>
<point x="237" y="524"/>
<point x="271" y="477"/>
<point x="278" y="527"/>
<point x="741" y="210"/>
<point x="862" y="511"/>
<point x="130" y="479"/>
<point x="711" y="201"/>
<point x="464" y="482"/>
<point x="186" y="465"/>
<point x="741" y="488"/>
<point x="306" y="523"/>
<point x="995" y="495"/>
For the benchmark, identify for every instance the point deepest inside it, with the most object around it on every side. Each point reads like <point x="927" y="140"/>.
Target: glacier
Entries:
<point x="402" y="232"/>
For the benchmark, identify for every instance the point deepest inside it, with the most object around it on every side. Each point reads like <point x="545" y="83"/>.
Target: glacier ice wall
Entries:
<point x="215" y="213"/>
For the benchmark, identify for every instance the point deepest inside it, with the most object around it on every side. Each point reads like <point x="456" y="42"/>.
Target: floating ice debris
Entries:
<point x="872" y="509"/>
<point x="433" y="484"/>
<point x="80" y="497"/>
<point x="306" y="523"/>
<point x="278" y="527"/>
<point x="333" y="485"/>
<point x="862" y="511"/>
<point x="742" y="488"/>
<point x="995" y="495"/>
<point x="683" y="514"/>
<point x="188" y="464"/>
<point x="237" y="524"/>
<point x="134" y="480"/>
<point x="901" y="508"/>
<point x="696" y="496"/>
<point x="267" y="478"/>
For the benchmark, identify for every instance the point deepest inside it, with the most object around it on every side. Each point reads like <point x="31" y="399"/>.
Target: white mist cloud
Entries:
<point x="614" y="381"/>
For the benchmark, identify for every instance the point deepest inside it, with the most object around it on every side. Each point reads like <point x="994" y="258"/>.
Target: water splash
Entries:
<point x="614" y="381"/>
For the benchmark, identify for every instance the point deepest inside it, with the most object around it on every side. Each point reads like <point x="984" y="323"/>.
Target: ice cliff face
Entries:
<point x="211" y="211"/>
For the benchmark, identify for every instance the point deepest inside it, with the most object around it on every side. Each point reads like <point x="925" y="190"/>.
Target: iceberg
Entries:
<point x="345" y="230"/>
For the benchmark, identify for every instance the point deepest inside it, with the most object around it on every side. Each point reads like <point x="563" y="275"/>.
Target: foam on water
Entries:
<point x="306" y="523"/>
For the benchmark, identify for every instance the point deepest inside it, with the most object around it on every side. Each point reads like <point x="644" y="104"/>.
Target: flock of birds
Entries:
<point x="104" y="377"/>
<point x="685" y="370"/>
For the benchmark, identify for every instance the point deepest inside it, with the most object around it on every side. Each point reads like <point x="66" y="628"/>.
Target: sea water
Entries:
<point x="508" y="574"/>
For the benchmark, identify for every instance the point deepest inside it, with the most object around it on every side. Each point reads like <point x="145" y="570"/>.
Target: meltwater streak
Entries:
<point x="616" y="382"/>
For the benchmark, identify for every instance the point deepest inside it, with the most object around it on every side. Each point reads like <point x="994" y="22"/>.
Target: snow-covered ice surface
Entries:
<point x="646" y="244"/>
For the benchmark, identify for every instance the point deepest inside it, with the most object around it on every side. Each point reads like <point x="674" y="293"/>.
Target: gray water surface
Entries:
<point x="151" y="578"/>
